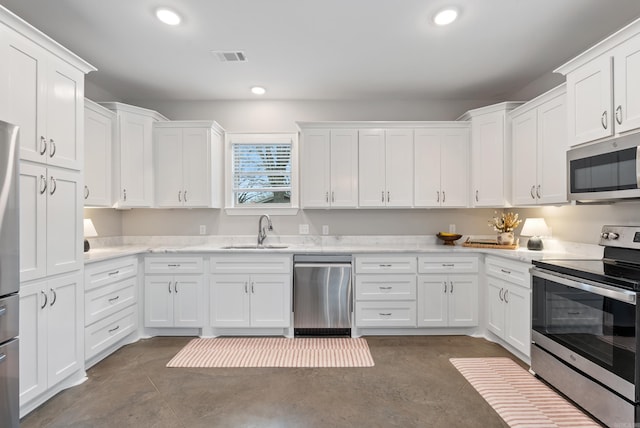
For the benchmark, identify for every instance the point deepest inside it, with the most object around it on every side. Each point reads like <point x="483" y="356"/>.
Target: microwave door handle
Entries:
<point x="599" y="289"/>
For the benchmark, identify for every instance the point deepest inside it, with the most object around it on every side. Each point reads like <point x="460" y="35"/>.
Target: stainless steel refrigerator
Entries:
<point x="9" y="276"/>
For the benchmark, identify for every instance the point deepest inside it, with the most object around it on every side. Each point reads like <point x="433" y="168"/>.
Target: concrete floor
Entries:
<point x="413" y="384"/>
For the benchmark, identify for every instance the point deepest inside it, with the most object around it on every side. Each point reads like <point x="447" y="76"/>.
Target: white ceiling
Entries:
<point x="324" y="49"/>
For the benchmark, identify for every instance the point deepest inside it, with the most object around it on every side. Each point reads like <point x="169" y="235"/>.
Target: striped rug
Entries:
<point x="518" y="397"/>
<point x="274" y="352"/>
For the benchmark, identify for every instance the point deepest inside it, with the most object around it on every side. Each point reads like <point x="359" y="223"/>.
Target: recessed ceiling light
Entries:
<point x="258" y="90"/>
<point x="168" y="16"/>
<point x="446" y="16"/>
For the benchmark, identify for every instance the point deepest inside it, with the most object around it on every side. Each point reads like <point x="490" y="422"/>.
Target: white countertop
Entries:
<point x="316" y="245"/>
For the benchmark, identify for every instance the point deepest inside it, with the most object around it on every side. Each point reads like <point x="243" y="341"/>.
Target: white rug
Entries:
<point x="274" y="352"/>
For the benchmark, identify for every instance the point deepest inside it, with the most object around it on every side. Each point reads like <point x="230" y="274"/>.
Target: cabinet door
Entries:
<point x="399" y="167"/>
<point x="463" y="300"/>
<point x="64" y="222"/>
<point x="589" y="95"/>
<point x="136" y="160"/>
<point x="158" y="301"/>
<point x="315" y="168"/>
<point x="65" y="326"/>
<point x="371" y="168"/>
<point x="454" y="167"/>
<point x="33" y="221"/>
<point x="98" y="141"/>
<point x="487" y="141"/>
<point x="33" y="340"/>
<point x="552" y="152"/>
<point x="344" y="168"/>
<point x="229" y="301"/>
<point x="187" y="301"/>
<point x="65" y="95"/>
<point x="627" y="85"/>
<point x="524" y="132"/>
<point x="196" y="167"/>
<point x="168" y="165"/>
<point x="427" y="165"/>
<point x="495" y="306"/>
<point x="518" y="318"/>
<point x="27" y="73"/>
<point x="432" y="300"/>
<point x="270" y="300"/>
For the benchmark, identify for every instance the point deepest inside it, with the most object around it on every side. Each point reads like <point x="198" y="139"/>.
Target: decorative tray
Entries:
<point x="489" y="243"/>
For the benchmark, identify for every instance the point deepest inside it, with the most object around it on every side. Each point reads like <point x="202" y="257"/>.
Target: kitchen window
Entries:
<point x="262" y="173"/>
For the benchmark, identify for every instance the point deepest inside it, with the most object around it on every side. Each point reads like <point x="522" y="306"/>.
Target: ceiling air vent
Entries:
<point x="230" y="56"/>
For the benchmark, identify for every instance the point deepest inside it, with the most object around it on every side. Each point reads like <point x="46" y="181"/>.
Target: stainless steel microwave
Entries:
<point x="608" y="170"/>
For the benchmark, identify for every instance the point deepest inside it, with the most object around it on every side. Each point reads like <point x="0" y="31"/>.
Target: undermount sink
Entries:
<point x="255" y="247"/>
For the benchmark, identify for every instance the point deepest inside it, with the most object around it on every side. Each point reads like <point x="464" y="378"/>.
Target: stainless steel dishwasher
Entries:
<point x="322" y="295"/>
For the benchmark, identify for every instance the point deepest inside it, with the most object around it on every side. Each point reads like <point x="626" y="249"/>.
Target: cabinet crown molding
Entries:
<point x="558" y="91"/>
<point x="600" y="48"/>
<point x="117" y="106"/>
<point x="209" y="124"/>
<point x="505" y="106"/>
<point x="380" y="124"/>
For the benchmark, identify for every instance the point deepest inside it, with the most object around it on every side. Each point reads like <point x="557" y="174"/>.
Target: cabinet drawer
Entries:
<point x="109" y="299"/>
<point x="109" y="331"/>
<point x="100" y="274"/>
<point x="173" y="265"/>
<point x="244" y="264"/>
<point x="428" y="264"/>
<point x="509" y="270"/>
<point x="385" y="264"/>
<point x="385" y="314"/>
<point x="385" y="287"/>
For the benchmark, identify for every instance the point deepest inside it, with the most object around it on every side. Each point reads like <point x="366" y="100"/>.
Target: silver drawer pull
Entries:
<point x="573" y="313"/>
<point x="173" y="265"/>
<point x="385" y="266"/>
<point x="385" y="288"/>
<point x="385" y="315"/>
<point x="508" y="272"/>
<point x="448" y="265"/>
<point x="114" y="329"/>
<point x="113" y="299"/>
<point x="114" y="273"/>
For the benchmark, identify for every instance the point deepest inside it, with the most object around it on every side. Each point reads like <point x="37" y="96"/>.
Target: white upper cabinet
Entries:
<point x="602" y="88"/>
<point x="385" y="167"/>
<point x="539" y="150"/>
<point x="490" y="155"/>
<point x="133" y="155"/>
<point x="329" y="168"/>
<point x="188" y="164"/>
<point x="44" y="96"/>
<point x="99" y="124"/>
<point x="441" y="166"/>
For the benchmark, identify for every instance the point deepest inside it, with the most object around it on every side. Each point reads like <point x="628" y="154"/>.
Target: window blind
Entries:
<point x="261" y="173"/>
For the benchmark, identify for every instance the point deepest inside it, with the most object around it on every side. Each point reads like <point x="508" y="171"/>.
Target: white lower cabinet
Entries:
<point x="110" y="306"/>
<point x="50" y="334"/>
<point x="508" y="305"/>
<point x="447" y="300"/>
<point x="173" y="301"/>
<point x="250" y="291"/>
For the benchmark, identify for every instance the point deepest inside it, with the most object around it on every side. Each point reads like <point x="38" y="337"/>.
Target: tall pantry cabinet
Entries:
<point x="42" y="87"/>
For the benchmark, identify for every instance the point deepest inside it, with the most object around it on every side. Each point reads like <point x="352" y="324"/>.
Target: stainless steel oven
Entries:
<point x="607" y="170"/>
<point x="585" y="318"/>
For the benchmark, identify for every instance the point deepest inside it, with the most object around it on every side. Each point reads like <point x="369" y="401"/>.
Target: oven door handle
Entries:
<point x="600" y="289"/>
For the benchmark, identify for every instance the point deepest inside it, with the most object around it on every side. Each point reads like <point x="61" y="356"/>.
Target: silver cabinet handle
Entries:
<point x="384" y="266"/>
<point x="506" y="293"/>
<point x="180" y="196"/>
<point x="388" y="196"/>
<point x="508" y="272"/>
<point x="333" y="196"/>
<point x="114" y="273"/>
<point x="86" y="191"/>
<point x="387" y="314"/>
<point x="437" y="196"/>
<point x="500" y="294"/>
<point x="124" y="194"/>
<point x="477" y="200"/>
<point x="246" y="290"/>
<point x="445" y="287"/>
<point x="52" y="148"/>
<point x="444" y="197"/>
<point x="326" y="197"/>
<point x="253" y="291"/>
<point x="114" y="329"/>
<point x="603" y="119"/>
<point x="113" y="299"/>
<point x="619" y="115"/>
<point x="175" y="287"/>
<point x="451" y="284"/>
<point x="43" y="184"/>
<point x="385" y="288"/>
<point x="169" y="285"/>
<point x="54" y="297"/>
<point x="531" y="192"/>
<point x="448" y="264"/>
<point x="46" y="299"/>
<point x="538" y="193"/>
<point x="185" y="196"/>
<point x="43" y="145"/>
<point x="54" y="186"/>
<point x="382" y="196"/>
<point x="173" y="265"/>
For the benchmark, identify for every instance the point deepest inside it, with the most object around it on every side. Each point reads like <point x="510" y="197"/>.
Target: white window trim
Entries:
<point x="253" y="138"/>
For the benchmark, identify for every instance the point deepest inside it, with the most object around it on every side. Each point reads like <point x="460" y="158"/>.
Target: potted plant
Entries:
<point x="504" y="225"/>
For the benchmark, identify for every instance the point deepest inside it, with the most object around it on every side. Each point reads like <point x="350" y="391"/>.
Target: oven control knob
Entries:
<point x="613" y="235"/>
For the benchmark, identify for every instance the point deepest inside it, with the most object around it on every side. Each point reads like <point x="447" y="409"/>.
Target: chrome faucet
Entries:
<point x="262" y="231"/>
